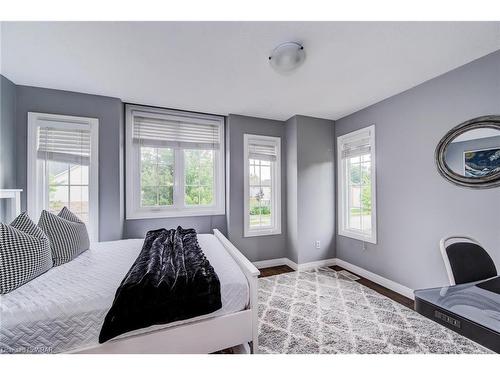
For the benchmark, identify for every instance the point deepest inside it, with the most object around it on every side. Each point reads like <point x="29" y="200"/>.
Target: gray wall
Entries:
<point x="315" y="188"/>
<point x="292" y="235"/>
<point x="137" y="228"/>
<point x="7" y="140"/>
<point x="415" y="205"/>
<point x="455" y="152"/>
<point x="109" y="111"/>
<point x="310" y="189"/>
<point x="261" y="247"/>
<point x="7" y="134"/>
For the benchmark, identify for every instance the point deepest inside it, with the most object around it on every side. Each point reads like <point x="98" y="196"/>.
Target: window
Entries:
<point x="157" y="177"/>
<point x="262" y="185"/>
<point x="62" y="167"/>
<point x="175" y="163"/>
<point x="356" y="185"/>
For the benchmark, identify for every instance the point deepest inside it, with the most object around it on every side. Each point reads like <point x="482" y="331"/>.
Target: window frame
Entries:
<point x="275" y="187"/>
<point x="343" y="179"/>
<point x="35" y="195"/>
<point x="133" y="207"/>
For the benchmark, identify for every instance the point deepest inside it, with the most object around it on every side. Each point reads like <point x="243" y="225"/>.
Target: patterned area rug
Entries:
<point x="321" y="311"/>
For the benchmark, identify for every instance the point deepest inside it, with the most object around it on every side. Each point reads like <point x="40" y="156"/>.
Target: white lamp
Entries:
<point x="287" y="57"/>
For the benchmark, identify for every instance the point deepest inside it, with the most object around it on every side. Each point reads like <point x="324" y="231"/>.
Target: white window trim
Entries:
<point x="133" y="208"/>
<point x="342" y="191"/>
<point x="276" y="188"/>
<point x="34" y="198"/>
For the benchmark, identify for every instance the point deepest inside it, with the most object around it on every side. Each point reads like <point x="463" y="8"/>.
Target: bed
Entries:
<point x="62" y="311"/>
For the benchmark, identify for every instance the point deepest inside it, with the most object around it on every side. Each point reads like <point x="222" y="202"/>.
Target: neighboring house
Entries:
<point x="69" y="187"/>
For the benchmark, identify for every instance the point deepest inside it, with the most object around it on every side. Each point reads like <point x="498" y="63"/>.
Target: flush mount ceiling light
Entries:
<point x="287" y="57"/>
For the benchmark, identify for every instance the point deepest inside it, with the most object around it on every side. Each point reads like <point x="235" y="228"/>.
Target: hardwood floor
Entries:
<point x="381" y="289"/>
<point x="271" y="271"/>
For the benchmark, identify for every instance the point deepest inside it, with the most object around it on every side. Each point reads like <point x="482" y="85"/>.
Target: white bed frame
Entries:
<point x="201" y="336"/>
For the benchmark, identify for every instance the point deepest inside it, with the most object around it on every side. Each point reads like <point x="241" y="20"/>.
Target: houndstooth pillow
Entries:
<point x="67" y="234"/>
<point x="24" y="253"/>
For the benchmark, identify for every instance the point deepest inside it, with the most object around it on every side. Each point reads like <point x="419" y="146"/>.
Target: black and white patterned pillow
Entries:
<point x="67" y="234"/>
<point x="24" y="253"/>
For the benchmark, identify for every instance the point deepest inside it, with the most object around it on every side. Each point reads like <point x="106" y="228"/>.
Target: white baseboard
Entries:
<point x="275" y="262"/>
<point x="290" y="263"/>
<point x="316" y="264"/>
<point x="389" y="284"/>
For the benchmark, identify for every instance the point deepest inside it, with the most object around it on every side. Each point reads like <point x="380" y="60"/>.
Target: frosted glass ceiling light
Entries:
<point x="287" y="57"/>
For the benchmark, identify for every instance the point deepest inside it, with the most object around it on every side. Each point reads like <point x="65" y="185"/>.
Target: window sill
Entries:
<point x="358" y="236"/>
<point x="260" y="233"/>
<point x="170" y="214"/>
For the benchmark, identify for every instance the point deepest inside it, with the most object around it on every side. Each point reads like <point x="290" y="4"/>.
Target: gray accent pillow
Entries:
<point x="67" y="234"/>
<point x="24" y="253"/>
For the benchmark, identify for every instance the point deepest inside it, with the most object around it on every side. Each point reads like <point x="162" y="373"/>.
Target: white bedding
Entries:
<point x="64" y="308"/>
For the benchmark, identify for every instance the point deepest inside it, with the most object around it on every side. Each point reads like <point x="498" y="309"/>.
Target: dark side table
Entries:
<point x="468" y="309"/>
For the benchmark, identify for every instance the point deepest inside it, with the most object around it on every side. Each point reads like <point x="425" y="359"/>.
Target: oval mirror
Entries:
<point x="469" y="154"/>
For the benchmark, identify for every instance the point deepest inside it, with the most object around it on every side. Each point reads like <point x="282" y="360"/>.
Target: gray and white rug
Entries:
<point x="321" y="311"/>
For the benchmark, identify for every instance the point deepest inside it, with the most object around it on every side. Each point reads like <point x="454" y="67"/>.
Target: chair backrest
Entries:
<point x="466" y="260"/>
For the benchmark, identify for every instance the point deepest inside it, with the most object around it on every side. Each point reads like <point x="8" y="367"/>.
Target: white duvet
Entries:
<point x="64" y="308"/>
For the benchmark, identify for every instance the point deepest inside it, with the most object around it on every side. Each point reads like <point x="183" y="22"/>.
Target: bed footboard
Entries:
<point x="203" y="336"/>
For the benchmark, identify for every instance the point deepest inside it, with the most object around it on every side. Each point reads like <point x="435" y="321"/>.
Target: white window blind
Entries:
<point x="261" y="151"/>
<point x="64" y="145"/>
<point x="360" y="146"/>
<point x="175" y="131"/>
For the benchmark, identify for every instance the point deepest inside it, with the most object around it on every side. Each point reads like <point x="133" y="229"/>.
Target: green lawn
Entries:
<point x="255" y="220"/>
<point x="357" y="211"/>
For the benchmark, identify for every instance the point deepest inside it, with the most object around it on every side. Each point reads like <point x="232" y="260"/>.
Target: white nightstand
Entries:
<point x="13" y="197"/>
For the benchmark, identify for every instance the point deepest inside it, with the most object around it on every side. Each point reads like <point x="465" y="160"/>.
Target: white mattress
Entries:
<point x="64" y="308"/>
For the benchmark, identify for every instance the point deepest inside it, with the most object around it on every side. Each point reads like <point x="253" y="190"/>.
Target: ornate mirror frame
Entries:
<point x="486" y="182"/>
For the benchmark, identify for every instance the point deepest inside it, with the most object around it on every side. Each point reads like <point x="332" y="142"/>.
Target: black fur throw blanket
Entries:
<point x="170" y="280"/>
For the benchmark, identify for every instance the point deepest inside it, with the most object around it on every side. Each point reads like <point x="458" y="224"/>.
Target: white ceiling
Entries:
<point x="222" y="67"/>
